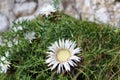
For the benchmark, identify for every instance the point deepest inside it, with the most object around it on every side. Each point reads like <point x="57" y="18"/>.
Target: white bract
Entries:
<point x="30" y="36"/>
<point x="62" y="55"/>
<point x="47" y="9"/>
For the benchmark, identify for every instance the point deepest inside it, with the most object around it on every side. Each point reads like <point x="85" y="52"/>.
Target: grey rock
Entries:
<point x="20" y="1"/>
<point x="24" y="9"/>
<point x="102" y="15"/>
<point x="6" y="6"/>
<point x="4" y="23"/>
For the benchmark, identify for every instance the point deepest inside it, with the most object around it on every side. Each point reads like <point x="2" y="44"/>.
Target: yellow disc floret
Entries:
<point x="63" y="55"/>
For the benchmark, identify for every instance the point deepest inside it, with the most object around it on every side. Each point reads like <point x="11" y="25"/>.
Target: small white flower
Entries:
<point x="9" y="44"/>
<point x="47" y="9"/>
<point x="7" y="53"/>
<point x="20" y="28"/>
<point x="17" y="28"/>
<point x="62" y="55"/>
<point x="4" y="65"/>
<point x="15" y="41"/>
<point x="3" y="58"/>
<point x="30" y="36"/>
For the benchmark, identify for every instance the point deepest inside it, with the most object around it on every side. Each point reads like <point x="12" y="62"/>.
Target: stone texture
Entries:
<point x="24" y="9"/>
<point x="70" y="8"/>
<point x="20" y="1"/>
<point x="102" y="15"/>
<point x="6" y="8"/>
<point x="41" y="3"/>
<point x="4" y="23"/>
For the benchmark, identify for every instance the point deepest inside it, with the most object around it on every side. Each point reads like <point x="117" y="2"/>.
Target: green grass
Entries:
<point x="100" y="49"/>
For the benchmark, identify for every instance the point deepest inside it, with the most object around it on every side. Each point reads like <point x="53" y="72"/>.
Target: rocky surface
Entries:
<point x="4" y="23"/>
<point x="100" y="11"/>
<point x="24" y="9"/>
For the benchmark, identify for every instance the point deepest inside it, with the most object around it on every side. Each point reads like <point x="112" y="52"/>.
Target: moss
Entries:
<point x="100" y="49"/>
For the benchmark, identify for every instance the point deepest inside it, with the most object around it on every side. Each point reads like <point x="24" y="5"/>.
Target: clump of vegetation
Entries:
<point x="27" y="43"/>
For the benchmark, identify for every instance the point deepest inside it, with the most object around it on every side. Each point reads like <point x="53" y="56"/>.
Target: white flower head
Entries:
<point x="15" y="41"/>
<point x="7" y="53"/>
<point x="20" y="28"/>
<point x="62" y="55"/>
<point x="3" y="58"/>
<point x="17" y="28"/>
<point x="4" y="65"/>
<point x="9" y="43"/>
<point x="30" y="36"/>
<point x="47" y="9"/>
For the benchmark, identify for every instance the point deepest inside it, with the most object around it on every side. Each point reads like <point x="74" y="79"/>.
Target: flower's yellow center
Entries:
<point x="63" y="55"/>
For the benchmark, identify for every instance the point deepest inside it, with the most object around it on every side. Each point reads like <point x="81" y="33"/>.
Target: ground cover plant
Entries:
<point x="24" y="49"/>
